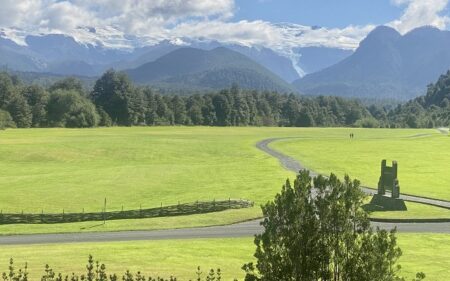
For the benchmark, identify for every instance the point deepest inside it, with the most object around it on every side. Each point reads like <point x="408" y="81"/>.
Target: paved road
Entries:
<point x="245" y="229"/>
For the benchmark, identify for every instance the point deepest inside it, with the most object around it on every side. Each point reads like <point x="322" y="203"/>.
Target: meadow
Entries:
<point x="71" y="169"/>
<point x="421" y="252"/>
<point x="423" y="158"/>
<point x="76" y="169"/>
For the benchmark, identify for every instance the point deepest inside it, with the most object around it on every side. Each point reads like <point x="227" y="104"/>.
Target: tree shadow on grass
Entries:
<point x="380" y="203"/>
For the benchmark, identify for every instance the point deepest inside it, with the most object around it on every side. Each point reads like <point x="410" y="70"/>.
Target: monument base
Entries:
<point x="382" y="203"/>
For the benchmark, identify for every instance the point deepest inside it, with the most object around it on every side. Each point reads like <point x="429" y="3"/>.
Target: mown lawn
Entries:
<point x="424" y="160"/>
<point x="76" y="169"/>
<point x="56" y="169"/>
<point x="421" y="252"/>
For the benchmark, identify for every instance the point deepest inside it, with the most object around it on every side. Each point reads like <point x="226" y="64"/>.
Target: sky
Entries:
<point x="279" y="24"/>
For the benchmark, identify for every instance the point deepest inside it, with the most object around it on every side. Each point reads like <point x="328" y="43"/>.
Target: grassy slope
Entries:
<point x="423" y="160"/>
<point x="421" y="252"/>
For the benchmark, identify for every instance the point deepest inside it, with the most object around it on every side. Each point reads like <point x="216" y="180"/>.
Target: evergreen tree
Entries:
<point x="113" y="92"/>
<point x="316" y="229"/>
<point x="20" y="111"/>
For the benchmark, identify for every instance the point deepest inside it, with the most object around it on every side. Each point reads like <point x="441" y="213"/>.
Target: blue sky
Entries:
<point x="326" y="13"/>
<point x="344" y="23"/>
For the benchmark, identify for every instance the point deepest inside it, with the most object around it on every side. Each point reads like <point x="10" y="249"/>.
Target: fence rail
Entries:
<point x="163" y="211"/>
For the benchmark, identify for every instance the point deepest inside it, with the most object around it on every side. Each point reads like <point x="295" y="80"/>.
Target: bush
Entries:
<point x="70" y="109"/>
<point x="367" y="122"/>
<point x="6" y="120"/>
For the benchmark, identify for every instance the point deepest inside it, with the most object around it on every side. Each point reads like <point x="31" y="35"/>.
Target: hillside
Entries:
<point x="215" y="69"/>
<point x="386" y="65"/>
<point x="430" y="110"/>
<point x="314" y="59"/>
<point x="278" y="64"/>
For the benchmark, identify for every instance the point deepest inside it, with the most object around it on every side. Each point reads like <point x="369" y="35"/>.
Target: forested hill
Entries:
<point x="207" y="70"/>
<point x="430" y="110"/>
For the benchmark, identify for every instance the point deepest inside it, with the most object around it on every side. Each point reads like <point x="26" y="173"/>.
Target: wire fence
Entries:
<point x="199" y="207"/>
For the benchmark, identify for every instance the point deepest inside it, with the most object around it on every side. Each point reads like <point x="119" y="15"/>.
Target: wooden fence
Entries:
<point x="163" y="211"/>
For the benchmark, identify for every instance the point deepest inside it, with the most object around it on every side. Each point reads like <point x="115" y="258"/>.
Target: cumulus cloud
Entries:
<point x="150" y="21"/>
<point x="419" y="13"/>
<point x="133" y="16"/>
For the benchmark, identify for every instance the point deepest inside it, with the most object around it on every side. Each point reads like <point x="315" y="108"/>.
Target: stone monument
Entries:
<point x="388" y="182"/>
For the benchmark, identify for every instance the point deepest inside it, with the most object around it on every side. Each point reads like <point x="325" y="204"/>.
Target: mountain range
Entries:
<point x="385" y="65"/>
<point x="62" y="55"/>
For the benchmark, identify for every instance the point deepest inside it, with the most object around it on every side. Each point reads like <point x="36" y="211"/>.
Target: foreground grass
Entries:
<point x="421" y="252"/>
<point x="423" y="159"/>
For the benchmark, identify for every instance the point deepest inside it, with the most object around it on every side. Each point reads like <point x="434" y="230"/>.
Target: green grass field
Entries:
<point x="55" y="169"/>
<point x="60" y="169"/>
<point x="424" y="160"/>
<point x="70" y="169"/>
<point x="421" y="252"/>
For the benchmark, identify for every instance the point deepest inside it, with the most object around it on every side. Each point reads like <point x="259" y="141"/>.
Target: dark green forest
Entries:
<point x="430" y="110"/>
<point x="116" y="101"/>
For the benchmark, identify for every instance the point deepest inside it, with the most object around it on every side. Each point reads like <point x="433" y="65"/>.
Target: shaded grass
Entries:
<point x="201" y="220"/>
<point x="421" y="252"/>
<point x="415" y="210"/>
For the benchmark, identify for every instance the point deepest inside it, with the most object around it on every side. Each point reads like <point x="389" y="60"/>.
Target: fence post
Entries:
<point x="140" y="210"/>
<point x="104" y="212"/>
<point x="214" y="204"/>
<point x="63" y="215"/>
<point x="229" y="202"/>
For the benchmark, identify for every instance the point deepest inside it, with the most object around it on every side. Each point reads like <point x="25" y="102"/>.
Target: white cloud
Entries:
<point x="419" y="13"/>
<point x="151" y="21"/>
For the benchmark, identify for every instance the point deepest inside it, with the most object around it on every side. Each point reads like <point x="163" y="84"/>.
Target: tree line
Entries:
<point x="116" y="101"/>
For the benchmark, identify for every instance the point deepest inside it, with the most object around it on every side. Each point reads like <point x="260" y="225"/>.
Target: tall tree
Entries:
<point x="20" y="111"/>
<point x="113" y="93"/>
<point x="37" y="98"/>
